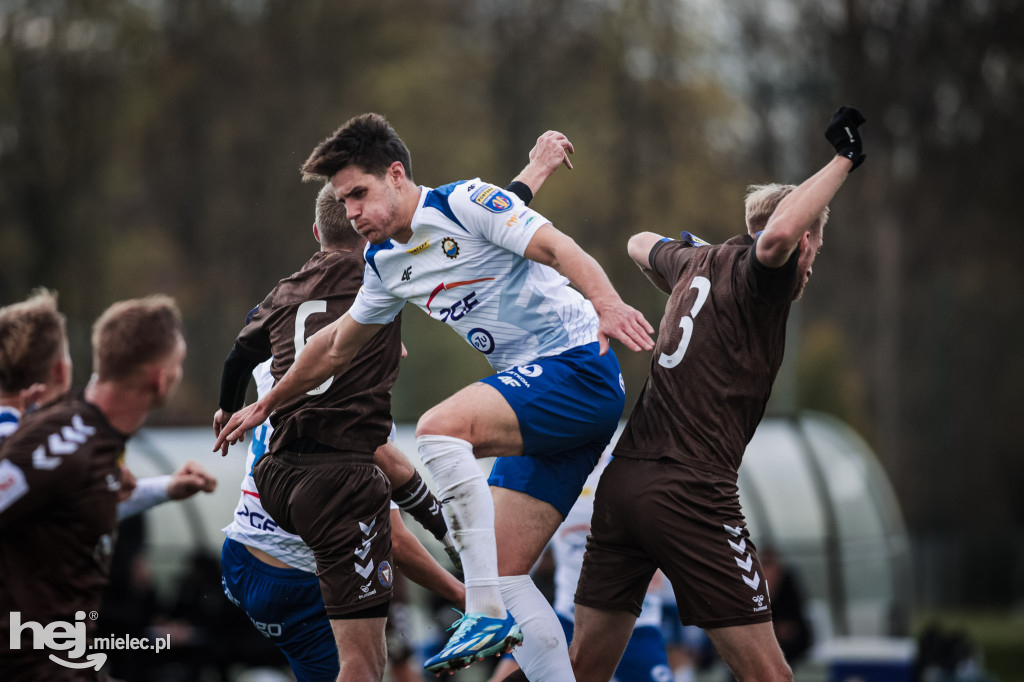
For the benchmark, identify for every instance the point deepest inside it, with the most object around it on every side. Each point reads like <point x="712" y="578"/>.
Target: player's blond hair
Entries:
<point x="33" y="336"/>
<point x="133" y="333"/>
<point x="761" y="202"/>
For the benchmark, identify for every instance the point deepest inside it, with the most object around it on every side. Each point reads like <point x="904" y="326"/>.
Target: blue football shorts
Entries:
<point x="568" y="407"/>
<point x="286" y="606"/>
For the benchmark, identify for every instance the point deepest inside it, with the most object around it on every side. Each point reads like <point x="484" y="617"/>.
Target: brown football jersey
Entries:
<point x="720" y="344"/>
<point x="59" y="480"/>
<point x="350" y="411"/>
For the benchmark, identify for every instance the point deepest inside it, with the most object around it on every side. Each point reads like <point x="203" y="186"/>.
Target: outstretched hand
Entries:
<point x="240" y="422"/>
<point x="220" y="420"/>
<point x="625" y="323"/>
<point x="552" y="149"/>
<point x="190" y="479"/>
<point x="844" y="134"/>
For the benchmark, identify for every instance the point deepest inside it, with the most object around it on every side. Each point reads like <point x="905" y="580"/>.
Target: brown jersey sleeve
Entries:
<point x="771" y="283"/>
<point x="254" y="339"/>
<point x="669" y="258"/>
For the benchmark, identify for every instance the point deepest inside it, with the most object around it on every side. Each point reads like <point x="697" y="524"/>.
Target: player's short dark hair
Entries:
<point x="33" y="335"/>
<point x="332" y="221"/>
<point x="367" y="141"/>
<point x="133" y="333"/>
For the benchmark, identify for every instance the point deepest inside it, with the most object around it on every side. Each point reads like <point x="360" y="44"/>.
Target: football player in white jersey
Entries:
<point x="477" y="259"/>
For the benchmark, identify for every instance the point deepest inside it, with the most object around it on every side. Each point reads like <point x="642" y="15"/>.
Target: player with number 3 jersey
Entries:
<point x="674" y="503"/>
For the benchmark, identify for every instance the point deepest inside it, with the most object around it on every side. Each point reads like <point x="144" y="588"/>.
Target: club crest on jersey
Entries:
<point x="450" y="247"/>
<point x="384" y="574"/>
<point x="492" y="198"/>
<point x="418" y="249"/>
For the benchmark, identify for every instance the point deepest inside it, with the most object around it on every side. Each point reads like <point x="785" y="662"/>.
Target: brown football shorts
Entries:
<point x="339" y="504"/>
<point x="651" y="514"/>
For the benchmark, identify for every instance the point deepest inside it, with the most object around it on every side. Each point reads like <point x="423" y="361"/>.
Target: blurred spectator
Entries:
<point x="792" y="628"/>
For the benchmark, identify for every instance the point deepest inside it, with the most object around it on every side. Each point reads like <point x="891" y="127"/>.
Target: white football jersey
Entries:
<point x="465" y="267"/>
<point x="568" y="545"/>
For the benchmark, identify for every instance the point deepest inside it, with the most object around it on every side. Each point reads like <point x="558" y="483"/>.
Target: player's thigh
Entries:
<point x="599" y="638"/>
<point x="523" y="525"/>
<point x="480" y="415"/>
<point x="563" y="402"/>
<point x="690" y="524"/>
<point x="752" y="652"/>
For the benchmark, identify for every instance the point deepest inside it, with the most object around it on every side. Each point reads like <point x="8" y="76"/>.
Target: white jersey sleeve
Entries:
<point x="497" y="216"/>
<point x="374" y="304"/>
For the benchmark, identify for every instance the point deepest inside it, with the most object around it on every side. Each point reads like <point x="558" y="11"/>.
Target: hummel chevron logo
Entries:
<point x="64" y="443"/>
<point x="366" y="570"/>
<point x="365" y="549"/>
<point x="745" y="565"/>
<point x="40" y="460"/>
<point x="740" y="548"/>
<point x="60" y="447"/>
<point x="734" y="531"/>
<point x="366" y="529"/>
<point x="753" y="582"/>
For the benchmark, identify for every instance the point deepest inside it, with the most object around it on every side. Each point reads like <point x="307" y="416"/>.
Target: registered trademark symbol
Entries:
<point x="93" y="615"/>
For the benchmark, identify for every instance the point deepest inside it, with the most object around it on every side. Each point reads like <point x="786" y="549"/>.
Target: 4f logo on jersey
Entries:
<point x="407" y="274"/>
<point x="450" y="247"/>
<point x="491" y="198"/>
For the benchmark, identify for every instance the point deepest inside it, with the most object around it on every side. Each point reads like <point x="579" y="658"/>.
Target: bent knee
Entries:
<point x="439" y="421"/>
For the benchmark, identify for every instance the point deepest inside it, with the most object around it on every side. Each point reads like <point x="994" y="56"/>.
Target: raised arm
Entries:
<point x="325" y="353"/>
<point x="797" y="213"/>
<point x="639" y="249"/>
<point x="618" y="320"/>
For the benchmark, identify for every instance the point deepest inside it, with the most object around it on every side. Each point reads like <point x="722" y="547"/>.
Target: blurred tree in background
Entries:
<point x="153" y="145"/>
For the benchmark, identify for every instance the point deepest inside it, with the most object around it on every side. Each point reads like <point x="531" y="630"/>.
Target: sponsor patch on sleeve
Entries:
<point x="12" y="484"/>
<point x="492" y="198"/>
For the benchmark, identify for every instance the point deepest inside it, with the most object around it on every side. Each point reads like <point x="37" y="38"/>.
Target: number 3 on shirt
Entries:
<point x="703" y="287"/>
<point x="305" y="310"/>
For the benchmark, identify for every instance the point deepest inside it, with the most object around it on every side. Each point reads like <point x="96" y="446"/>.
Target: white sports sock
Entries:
<point x="544" y="655"/>
<point x="468" y="510"/>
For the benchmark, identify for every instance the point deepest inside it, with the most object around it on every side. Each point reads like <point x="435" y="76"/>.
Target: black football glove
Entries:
<point x="843" y="134"/>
